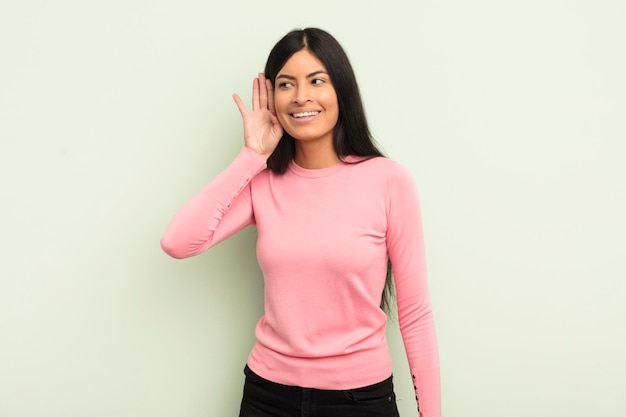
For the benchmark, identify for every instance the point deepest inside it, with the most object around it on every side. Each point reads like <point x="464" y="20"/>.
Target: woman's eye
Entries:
<point x="317" y="81"/>
<point x="284" y="85"/>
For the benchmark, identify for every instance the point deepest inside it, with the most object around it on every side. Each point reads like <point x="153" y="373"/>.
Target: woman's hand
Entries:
<point x="261" y="129"/>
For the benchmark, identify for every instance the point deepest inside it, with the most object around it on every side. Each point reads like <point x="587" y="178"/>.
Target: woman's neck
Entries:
<point x="312" y="155"/>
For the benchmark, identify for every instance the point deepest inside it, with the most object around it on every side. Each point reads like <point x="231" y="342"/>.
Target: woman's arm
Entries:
<point x="224" y="206"/>
<point x="218" y="211"/>
<point x="406" y="250"/>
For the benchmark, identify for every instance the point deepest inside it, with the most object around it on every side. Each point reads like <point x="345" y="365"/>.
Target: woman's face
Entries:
<point x="305" y="99"/>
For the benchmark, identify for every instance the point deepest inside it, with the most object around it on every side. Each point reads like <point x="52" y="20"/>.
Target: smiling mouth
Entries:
<point x="305" y="114"/>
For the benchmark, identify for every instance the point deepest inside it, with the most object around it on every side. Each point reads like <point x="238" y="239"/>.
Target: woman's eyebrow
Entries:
<point x="291" y="77"/>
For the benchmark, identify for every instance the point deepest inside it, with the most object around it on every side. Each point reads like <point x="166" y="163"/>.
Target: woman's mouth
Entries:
<point x="304" y="114"/>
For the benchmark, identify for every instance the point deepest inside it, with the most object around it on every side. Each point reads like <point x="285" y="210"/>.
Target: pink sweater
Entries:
<point x="324" y="236"/>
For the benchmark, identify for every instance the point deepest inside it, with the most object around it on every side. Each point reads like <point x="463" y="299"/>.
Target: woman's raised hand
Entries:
<point x="261" y="129"/>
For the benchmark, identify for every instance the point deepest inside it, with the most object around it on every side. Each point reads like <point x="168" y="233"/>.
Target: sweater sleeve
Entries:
<point x="406" y="251"/>
<point x="218" y="211"/>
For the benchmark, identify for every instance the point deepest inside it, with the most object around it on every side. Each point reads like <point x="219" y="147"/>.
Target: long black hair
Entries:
<point x="351" y="135"/>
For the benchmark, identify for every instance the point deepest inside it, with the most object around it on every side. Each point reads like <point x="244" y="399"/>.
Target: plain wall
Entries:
<point x="510" y="115"/>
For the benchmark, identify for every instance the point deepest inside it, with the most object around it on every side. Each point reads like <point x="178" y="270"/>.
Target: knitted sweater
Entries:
<point x="324" y="239"/>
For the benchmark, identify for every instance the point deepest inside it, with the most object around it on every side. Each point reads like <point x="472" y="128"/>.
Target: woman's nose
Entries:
<point x="302" y="95"/>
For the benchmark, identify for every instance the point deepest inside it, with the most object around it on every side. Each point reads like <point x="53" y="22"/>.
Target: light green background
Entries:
<point x="511" y="116"/>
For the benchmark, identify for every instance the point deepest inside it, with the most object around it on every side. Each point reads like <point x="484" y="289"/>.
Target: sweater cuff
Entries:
<point x="427" y="392"/>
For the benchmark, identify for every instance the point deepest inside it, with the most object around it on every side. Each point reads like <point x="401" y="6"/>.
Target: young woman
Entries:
<point x="332" y="215"/>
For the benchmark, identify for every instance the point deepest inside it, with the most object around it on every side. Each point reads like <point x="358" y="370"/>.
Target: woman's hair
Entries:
<point x="351" y="135"/>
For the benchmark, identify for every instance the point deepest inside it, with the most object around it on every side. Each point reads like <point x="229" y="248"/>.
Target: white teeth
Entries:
<point x="305" y="114"/>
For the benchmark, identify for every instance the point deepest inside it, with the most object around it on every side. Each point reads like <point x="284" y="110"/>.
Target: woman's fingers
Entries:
<point x="262" y="96"/>
<point x="240" y="105"/>
<point x="262" y="91"/>
<point x="270" y="96"/>
<point x="255" y="94"/>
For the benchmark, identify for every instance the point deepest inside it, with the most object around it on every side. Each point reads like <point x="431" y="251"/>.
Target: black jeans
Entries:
<point x="263" y="398"/>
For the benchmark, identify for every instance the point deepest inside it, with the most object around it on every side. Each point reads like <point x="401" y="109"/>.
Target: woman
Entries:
<point x="332" y="214"/>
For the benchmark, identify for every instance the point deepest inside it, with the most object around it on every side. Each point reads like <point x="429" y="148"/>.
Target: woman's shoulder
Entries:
<point x="381" y="165"/>
<point x="386" y="175"/>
